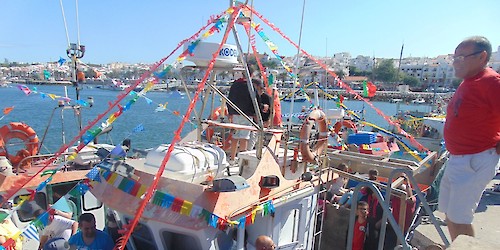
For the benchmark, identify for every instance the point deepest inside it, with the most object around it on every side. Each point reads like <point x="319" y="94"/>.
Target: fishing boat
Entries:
<point x="418" y="101"/>
<point x="186" y="195"/>
<point x="115" y="85"/>
<point x="427" y="128"/>
<point x="299" y="97"/>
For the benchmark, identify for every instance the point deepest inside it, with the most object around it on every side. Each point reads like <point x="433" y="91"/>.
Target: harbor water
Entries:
<point x="38" y="109"/>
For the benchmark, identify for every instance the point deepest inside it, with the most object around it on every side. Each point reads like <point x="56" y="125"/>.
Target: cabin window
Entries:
<point x="58" y="191"/>
<point x="90" y="202"/>
<point x="290" y="227"/>
<point x="143" y="237"/>
<point x="28" y="209"/>
<point x="179" y="241"/>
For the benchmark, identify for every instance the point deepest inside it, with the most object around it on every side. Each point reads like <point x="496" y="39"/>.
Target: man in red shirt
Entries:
<point x="360" y="226"/>
<point x="471" y="134"/>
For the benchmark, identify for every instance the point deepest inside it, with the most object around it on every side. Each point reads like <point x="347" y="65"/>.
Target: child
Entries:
<point x="360" y="226"/>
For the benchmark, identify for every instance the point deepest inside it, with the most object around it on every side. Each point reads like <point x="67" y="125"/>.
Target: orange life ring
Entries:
<point x="209" y="132"/>
<point x="344" y="123"/>
<point x="23" y="132"/>
<point x="316" y="116"/>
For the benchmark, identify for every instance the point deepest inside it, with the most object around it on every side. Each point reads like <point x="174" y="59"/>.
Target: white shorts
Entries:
<point x="240" y="133"/>
<point x="463" y="183"/>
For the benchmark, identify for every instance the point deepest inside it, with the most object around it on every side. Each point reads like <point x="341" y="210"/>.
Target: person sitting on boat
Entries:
<point x="240" y="96"/>
<point x="89" y="237"/>
<point x="346" y="201"/>
<point x="337" y="189"/>
<point x="264" y="242"/>
<point x="58" y="226"/>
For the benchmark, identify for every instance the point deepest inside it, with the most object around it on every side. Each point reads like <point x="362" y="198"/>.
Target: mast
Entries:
<point x="400" y="58"/>
<point x="75" y="52"/>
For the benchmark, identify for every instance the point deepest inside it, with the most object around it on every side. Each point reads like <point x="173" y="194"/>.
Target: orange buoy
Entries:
<point x="23" y="132"/>
<point x="344" y="123"/>
<point x="316" y="116"/>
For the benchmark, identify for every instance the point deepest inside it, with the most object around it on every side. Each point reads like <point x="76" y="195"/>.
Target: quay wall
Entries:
<point x="379" y="96"/>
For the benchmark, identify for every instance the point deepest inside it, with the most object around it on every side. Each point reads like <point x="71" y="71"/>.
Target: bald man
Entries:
<point x="264" y="242"/>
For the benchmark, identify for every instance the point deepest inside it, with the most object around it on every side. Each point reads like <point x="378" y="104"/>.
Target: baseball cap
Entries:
<point x="56" y="244"/>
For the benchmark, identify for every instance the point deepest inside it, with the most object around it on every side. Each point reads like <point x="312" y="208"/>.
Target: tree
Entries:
<point x="410" y="81"/>
<point x="385" y="71"/>
<point x="340" y="74"/>
<point x="354" y="71"/>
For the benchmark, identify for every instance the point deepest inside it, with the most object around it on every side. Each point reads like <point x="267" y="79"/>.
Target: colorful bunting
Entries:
<point x="177" y="204"/>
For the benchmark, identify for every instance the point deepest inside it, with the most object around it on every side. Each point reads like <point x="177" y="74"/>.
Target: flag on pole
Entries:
<point x="369" y="89"/>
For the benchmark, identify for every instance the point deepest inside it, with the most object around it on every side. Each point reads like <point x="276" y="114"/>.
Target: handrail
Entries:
<point x="423" y="200"/>
<point x="37" y="156"/>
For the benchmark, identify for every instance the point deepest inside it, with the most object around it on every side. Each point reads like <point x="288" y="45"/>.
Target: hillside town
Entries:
<point x="423" y="74"/>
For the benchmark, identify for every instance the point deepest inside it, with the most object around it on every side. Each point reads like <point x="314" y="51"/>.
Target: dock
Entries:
<point x="486" y="225"/>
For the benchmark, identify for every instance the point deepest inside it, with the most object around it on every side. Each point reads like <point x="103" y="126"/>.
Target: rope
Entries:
<point x="77" y="23"/>
<point x="64" y="20"/>
<point x="296" y="63"/>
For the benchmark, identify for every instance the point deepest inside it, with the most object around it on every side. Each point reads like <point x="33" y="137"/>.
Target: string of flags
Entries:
<point x="177" y="204"/>
<point x="27" y="91"/>
<point x="31" y="231"/>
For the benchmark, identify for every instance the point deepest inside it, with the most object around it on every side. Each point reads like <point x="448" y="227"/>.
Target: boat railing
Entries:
<point x="39" y="157"/>
<point x="384" y="202"/>
<point x="423" y="200"/>
<point x="386" y="210"/>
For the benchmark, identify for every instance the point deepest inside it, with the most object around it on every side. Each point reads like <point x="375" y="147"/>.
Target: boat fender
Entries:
<point x="315" y="117"/>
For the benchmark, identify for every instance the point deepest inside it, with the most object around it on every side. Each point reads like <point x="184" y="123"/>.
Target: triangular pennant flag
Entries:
<point x="62" y="205"/>
<point x="31" y="233"/>
<point x="7" y="110"/>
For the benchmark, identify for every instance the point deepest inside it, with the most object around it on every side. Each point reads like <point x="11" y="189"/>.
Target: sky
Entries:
<point x="146" y="31"/>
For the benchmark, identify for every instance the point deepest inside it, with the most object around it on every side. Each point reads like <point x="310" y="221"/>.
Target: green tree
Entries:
<point x="340" y="74"/>
<point x="410" y="81"/>
<point x="385" y="71"/>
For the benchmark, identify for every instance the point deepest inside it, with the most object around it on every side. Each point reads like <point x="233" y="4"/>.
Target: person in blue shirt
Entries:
<point x="89" y="237"/>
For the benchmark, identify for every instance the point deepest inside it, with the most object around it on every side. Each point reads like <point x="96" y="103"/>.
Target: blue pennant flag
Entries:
<point x="139" y="128"/>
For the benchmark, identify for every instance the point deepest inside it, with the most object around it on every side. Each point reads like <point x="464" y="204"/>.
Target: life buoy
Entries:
<point x="209" y="132"/>
<point x="23" y="132"/>
<point x="316" y="116"/>
<point x="344" y="123"/>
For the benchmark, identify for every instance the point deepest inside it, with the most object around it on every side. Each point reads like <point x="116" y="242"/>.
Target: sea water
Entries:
<point x="40" y="111"/>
